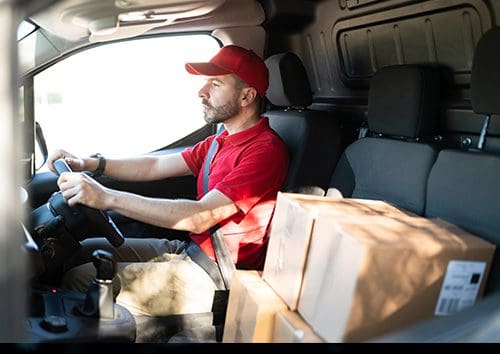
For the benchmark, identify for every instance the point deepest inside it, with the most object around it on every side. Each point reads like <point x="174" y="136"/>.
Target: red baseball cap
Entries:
<point x="232" y="59"/>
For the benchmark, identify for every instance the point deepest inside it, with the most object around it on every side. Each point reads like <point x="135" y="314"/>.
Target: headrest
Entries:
<point x="404" y="101"/>
<point x="288" y="82"/>
<point x="485" y="75"/>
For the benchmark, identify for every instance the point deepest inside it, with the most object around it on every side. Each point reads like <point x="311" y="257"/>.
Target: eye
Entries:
<point x="215" y="84"/>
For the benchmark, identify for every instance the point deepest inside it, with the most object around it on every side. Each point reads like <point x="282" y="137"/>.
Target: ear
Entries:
<point x="247" y="96"/>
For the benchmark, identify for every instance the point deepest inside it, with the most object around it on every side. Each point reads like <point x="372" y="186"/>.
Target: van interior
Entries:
<point x="389" y="100"/>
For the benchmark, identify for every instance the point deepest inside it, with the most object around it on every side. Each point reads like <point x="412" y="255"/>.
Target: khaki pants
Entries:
<point x="154" y="276"/>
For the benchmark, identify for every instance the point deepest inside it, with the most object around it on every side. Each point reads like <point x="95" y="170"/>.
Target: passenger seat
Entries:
<point x="312" y="137"/>
<point x="393" y="162"/>
<point x="464" y="186"/>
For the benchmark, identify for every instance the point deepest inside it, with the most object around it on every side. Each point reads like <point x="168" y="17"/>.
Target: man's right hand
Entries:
<point x="74" y="162"/>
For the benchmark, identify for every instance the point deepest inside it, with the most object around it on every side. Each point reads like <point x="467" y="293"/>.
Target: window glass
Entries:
<point x="24" y="29"/>
<point x="124" y="98"/>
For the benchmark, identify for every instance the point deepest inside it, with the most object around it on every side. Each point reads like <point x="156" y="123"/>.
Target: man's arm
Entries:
<point x="179" y="214"/>
<point x="143" y="168"/>
<point x="140" y="168"/>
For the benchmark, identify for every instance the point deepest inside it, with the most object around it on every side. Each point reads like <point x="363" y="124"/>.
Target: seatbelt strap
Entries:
<point x="222" y="254"/>
<point x="363" y="130"/>
<point x="203" y="260"/>
<point x="484" y="130"/>
<point x="209" y="158"/>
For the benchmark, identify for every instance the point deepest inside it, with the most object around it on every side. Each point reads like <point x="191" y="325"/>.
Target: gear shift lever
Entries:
<point x="99" y="300"/>
<point x="105" y="265"/>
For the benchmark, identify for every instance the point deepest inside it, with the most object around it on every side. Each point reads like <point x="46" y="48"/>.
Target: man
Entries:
<point x="247" y="169"/>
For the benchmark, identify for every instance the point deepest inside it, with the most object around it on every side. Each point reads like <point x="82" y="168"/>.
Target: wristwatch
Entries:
<point x="100" y="166"/>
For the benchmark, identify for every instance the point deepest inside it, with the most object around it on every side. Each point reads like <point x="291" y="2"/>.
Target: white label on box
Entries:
<point x="460" y="286"/>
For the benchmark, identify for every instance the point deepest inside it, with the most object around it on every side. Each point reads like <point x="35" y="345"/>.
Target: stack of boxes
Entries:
<point x="349" y="270"/>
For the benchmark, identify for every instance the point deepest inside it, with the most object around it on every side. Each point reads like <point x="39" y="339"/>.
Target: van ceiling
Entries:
<point x="103" y="20"/>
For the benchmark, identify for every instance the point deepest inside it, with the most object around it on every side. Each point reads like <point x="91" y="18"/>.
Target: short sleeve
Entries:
<point x="195" y="156"/>
<point x="261" y="169"/>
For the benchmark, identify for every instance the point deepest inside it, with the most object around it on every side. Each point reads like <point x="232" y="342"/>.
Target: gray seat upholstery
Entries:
<point x="464" y="186"/>
<point x="393" y="162"/>
<point x="312" y="137"/>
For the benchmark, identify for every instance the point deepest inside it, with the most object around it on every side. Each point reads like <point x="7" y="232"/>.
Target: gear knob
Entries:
<point x="99" y="300"/>
<point x="105" y="264"/>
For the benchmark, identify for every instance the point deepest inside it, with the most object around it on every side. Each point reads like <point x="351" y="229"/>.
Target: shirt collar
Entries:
<point x="247" y="134"/>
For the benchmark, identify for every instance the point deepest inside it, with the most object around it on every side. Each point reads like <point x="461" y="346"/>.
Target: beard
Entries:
<point x="214" y="115"/>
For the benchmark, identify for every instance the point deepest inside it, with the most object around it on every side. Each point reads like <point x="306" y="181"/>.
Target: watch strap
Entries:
<point x="101" y="165"/>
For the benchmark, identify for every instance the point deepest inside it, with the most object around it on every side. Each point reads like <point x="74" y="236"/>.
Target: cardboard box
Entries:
<point x="251" y="309"/>
<point x="370" y="275"/>
<point x="290" y="234"/>
<point x="289" y="327"/>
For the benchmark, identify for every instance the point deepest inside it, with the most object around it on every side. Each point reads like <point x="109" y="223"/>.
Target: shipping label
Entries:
<point x="460" y="286"/>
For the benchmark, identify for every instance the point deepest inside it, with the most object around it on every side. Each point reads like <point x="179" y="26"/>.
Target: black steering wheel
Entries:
<point x="99" y="222"/>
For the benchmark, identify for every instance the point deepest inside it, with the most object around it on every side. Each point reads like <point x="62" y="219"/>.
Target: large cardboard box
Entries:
<point x="370" y="275"/>
<point x="291" y="230"/>
<point x="251" y="309"/>
<point x="290" y="327"/>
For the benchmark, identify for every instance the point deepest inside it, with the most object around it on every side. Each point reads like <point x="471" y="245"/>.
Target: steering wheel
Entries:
<point x="99" y="221"/>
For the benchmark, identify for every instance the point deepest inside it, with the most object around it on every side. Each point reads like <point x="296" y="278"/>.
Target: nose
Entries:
<point x="203" y="93"/>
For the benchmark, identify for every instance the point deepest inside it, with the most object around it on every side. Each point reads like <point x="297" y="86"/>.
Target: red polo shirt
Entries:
<point x="248" y="167"/>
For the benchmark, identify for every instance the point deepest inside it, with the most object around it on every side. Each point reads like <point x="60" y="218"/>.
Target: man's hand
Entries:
<point x="78" y="188"/>
<point x="74" y="162"/>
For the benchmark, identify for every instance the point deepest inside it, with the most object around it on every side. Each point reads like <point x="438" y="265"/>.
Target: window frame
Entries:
<point x="29" y="95"/>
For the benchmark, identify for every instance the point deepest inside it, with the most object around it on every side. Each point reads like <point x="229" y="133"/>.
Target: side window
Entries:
<point x="122" y="99"/>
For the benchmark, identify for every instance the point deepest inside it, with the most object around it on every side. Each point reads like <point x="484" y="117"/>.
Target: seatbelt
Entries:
<point x="203" y="260"/>
<point x="484" y="130"/>
<point x="222" y="254"/>
<point x="209" y="158"/>
<point x="363" y="130"/>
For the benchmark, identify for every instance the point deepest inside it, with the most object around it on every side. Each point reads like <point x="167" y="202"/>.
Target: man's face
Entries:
<point x="220" y="98"/>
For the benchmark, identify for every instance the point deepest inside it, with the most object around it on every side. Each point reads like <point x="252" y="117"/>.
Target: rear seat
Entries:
<point x="313" y="137"/>
<point x="393" y="163"/>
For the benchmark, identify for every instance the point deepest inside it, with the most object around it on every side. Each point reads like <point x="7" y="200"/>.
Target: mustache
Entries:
<point x="205" y="102"/>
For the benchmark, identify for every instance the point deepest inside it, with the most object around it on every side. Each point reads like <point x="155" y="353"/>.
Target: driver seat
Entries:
<point x="313" y="137"/>
<point x="314" y="145"/>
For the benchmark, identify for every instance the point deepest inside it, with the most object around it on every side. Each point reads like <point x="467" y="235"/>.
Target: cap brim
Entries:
<point x="206" y="69"/>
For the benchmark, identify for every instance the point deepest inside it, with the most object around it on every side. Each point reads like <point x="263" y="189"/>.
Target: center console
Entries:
<point x="54" y="317"/>
<point x="61" y="315"/>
